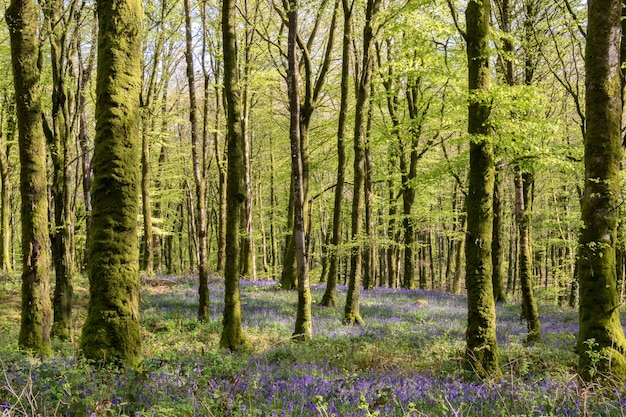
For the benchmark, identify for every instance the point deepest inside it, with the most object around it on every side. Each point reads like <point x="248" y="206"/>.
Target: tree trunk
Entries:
<point x="497" y="253"/>
<point x="232" y="334"/>
<point x="5" y="189"/>
<point x="198" y="156"/>
<point x="112" y="330"/>
<point x="330" y="294"/>
<point x="600" y="331"/>
<point x="482" y="348"/>
<point x="523" y="182"/>
<point x="36" y="316"/>
<point x="58" y="140"/>
<point x="303" y="326"/>
<point x="352" y="314"/>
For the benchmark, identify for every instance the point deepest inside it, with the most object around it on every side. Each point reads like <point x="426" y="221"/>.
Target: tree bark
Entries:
<point x="330" y="294"/>
<point x="36" y="316"/>
<point x="303" y="326"/>
<point x="352" y="314"/>
<point x="5" y="190"/>
<point x="232" y="334"/>
<point x="482" y="348"/>
<point x="600" y="331"/>
<point x="523" y="203"/>
<point x="112" y="331"/>
<point x="198" y="157"/>
<point x="497" y="252"/>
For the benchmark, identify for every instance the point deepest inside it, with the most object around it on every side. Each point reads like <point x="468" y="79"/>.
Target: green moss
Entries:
<point x="36" y="316"/>
<point x="599" y="299"/>
<point x="112" y="330"/>
<point x="482" y="348"/>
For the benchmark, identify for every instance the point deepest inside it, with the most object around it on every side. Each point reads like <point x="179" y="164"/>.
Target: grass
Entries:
<point x="406" y="361"/>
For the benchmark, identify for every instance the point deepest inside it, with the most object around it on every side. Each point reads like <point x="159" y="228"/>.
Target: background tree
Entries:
<point x="112" y="330"/>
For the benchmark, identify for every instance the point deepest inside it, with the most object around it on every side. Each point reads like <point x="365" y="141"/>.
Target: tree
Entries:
<point x="198" y="157"/>
<point x="523" y="202"/>
<point x="36" y="317"/>
<point x="351" y="310"/>
<point x="329" y="298"/>
<point x="112" y="330"/>
<point x="58" y="136"/>
<point x="8" y="110"/>
<point x="232" y="334"/>
<point x="601" y="334"/>
<point x="482" y="348"/>
<point x="303" y="327"/>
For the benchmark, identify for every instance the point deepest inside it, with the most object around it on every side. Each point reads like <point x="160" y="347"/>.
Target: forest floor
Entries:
<point x="406" y="361"/>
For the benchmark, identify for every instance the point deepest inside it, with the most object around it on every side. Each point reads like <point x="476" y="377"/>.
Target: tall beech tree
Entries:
<point x="482" y="348"/>
<point x="199" y="161"/>
<point x="311" y="92"/>
<point x="352" y="314"/>
<point x="329" y="297"/>
<point x="36" y="317"/>
<point x="112" y="331"/>
<point x="232" y="334"/>
<point x="303" y="327"/>
<point x="599" y="319"/>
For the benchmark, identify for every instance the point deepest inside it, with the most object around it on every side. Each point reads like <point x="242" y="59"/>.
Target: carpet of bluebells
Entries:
<point x="406" y="361"/>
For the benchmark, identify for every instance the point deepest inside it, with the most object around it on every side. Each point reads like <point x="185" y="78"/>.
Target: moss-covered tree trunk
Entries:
<point x="599" y="317"/>
<point x="497" y="252"/>
<point x="5" y="188"/>
<point x="232" y="334"/>
<point x="482" y="348"/>
<point x="58" y="135"/>
<point x="523" y="181"/>
<point x="112" y="330"/>
<point x="36" y="317"/>
<point x="330" y="294"/>
<point x="352" y="314"/>
<point x="58" y="139"/>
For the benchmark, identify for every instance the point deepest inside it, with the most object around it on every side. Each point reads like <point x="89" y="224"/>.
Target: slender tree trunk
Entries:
<point x="5" y="189"/>
<point x="36" y="316"/>
<point x="147" y="259"/>
<point x="303" y="326"/>
<point x="198" y="158"/>
<point x="232" y="334"/>
<point x="58" y="139"/>
<point x="369" y="254"/>
<point x="330" y="294"/>
<point x="523" y="209"/>
<point x="497" y="253"/>
<point x="112" y="330"/>
<point x="85" y="71"/>
<point x="600" y="331"/>
<point x="482" y="348"/>
<point x="352" y="314"/>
